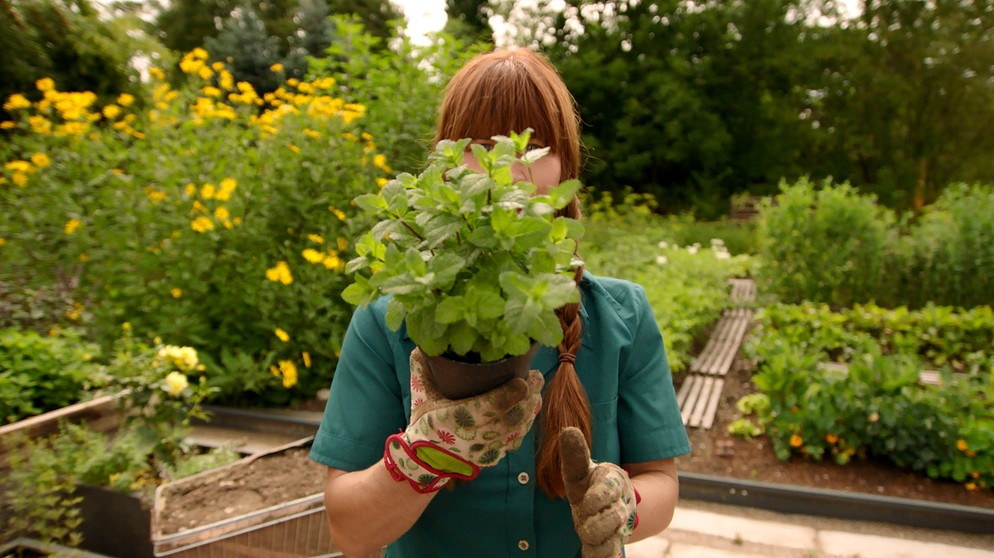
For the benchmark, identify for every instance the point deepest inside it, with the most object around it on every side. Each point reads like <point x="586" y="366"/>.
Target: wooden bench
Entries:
<point x="700" y="392"/>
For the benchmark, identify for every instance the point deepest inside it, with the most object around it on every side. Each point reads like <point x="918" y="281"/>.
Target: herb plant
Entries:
<point x="475" y="262"/>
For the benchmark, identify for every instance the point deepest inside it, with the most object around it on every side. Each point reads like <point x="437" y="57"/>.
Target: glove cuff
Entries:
<point x="406" y="461"/>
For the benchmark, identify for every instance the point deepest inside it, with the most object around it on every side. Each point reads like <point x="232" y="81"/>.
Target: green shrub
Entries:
<point x="40" y="374"/>
<point x="822" y="243"/>
<point x="948" y="257"/>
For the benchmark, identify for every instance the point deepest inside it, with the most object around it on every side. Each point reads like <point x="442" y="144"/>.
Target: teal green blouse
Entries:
<point x="502" y="513"/>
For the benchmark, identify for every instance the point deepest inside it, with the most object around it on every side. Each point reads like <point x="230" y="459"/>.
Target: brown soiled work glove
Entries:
<point x="601" y="496"/>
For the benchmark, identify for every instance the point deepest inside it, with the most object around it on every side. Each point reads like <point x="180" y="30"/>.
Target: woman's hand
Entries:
<point x="456" y="438"/>
<point x="600" y="495"/>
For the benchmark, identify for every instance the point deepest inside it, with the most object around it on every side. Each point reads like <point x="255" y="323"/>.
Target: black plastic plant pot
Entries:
<point x="458" y="380"/>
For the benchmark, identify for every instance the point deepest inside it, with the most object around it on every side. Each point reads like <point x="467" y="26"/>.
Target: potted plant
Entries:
<point x="475" y="262"/>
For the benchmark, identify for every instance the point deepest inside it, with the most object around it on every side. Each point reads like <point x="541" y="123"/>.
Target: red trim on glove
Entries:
<point x="438" y="477"/>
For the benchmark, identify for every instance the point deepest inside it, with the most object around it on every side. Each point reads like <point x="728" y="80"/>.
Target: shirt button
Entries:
<point x="523" y="478"/>
<point x="523" y="544"/>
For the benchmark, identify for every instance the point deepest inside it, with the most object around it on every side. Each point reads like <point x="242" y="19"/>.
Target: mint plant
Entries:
<point x="475" y="262"/>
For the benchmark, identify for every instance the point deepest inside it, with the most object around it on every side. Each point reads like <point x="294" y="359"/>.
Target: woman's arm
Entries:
<point x="658" y="487"/>
<point x="368" y="509"/>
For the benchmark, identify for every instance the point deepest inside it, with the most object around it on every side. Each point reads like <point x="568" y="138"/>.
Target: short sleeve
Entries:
<point x="366" y="403"/>
<point x="650" y="425"/>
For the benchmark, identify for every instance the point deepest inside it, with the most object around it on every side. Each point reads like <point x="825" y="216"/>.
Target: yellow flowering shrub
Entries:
<point x="198" y="214"/>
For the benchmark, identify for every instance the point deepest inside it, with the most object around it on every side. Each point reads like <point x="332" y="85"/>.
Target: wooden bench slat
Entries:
<point x="712" y="404"/>
<point x="699" y="407"/>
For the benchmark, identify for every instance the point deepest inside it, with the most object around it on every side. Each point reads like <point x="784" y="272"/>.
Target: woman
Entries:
<point x="607" y="386"/>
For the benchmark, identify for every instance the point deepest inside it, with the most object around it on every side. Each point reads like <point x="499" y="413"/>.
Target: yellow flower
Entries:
<point x="72" y="225"/>
<point x="7" y="125"/>
<point x="284" y="336"/>
<point x="312" y="255"/>
<point x="176" y="382"/>
<point x="380" y="162"/>
<point x="221" y="213"/>
<point x="154" y="195"/>
<point x="228" y="186"/>
<point x="84" y="257"/>
<point x="40" y="160"/>
<point x="190" y="189"/>
<point x="19" y="178"/>
<point x="207" y="191"/>
<point x="16" y="102"/>
<point x="316" y="238"/>
<point x="280" y="273"/>
<point x="183" y="358"/>
<point x="3" y="241"/>
<point x="962" y="445"/>
<point x="294" y="148"/>
<point x="202" y="224"/>
<point x="156" y="73"/>
<point x="205" y="72"/>
<point x="45" y="84"/>
<point x="307" y="131"/>
<point x="343" y="243"/>
<point x="831" y="438"/>
<point x="307" y="358"/>
<point x="125" y="99"/>
<point x="198" y="54"/>
<point x="333" y="262"/>
<point x="289" y="371"/>
<point x="177" y="293"/>
<point x="111" y="111"/>
<point x="276" y="68"/>
<point x="211" y="91"/>
<point x="338" y="213"/>
<point x="19" y="166"/>
<point x="381" y="182"/>
<point x="796" y="441"/>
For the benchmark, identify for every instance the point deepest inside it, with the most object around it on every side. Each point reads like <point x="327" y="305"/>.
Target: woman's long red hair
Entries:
<point x="509" y="91"/>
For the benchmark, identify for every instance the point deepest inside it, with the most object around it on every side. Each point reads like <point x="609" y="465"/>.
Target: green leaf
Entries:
<point x="450" y="310"/>
<point x="371" y="203"/>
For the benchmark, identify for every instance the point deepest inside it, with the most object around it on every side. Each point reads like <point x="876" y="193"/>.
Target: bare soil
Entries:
<point x="718" y="453"/>
<point x="267" y="481"/>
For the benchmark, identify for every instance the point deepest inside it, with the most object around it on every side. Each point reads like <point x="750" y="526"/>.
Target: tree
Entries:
<point x="469" y="20"/>
<point x="315" y="27"/>
<point x="249" y="52"/>
<point x="378" y="17"/>
<point x="907" y="103"/>
<point x="186" y="24"/>
<point x="66" y="41"/>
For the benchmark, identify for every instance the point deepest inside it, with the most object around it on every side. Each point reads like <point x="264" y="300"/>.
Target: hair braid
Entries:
<point x="565" y="402"/>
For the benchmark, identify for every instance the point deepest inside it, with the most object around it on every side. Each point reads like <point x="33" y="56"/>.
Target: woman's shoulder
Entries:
<point x="624" y="298"/>
<point x="620" y="290"/>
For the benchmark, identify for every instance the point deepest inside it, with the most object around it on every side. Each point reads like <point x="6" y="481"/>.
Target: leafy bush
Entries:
<point x="399" y="86"/>
<point x="822" y="243"/>
<point x="948" y="254"/>
<point x="40" y="374"/>
<point x="215" y="218"/>
<point x="877" y="405"/>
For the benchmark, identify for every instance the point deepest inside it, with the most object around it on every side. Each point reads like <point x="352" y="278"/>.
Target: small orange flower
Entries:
<point x="961" y="445"/>
<point x="796" y="441"/>
<point x="831" y="438"/>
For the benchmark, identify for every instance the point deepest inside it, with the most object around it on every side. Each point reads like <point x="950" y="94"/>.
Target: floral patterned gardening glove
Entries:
<point x="601" y="496"/>
<point x="455" y="438"/>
